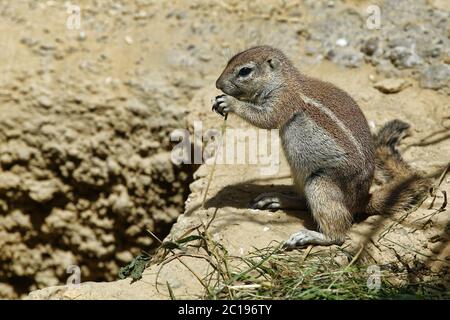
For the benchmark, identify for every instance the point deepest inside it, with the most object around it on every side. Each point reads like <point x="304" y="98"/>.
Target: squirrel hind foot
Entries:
<point x="275" y="201"/>
<point x="307" y="237"/>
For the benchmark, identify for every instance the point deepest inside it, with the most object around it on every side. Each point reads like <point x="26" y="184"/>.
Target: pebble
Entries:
<point x="370" y="46"/>
<point x="129" y="40"/>
<point x="82" y="36"/>
<point x="435" y="76"/>
<point x="44" y="101"/>
<point x="342" y="42"/>
<point x="124" y="256"/>
<point x="347" y="57"/>
<point x="403" y="57"/>
<point x="391" y="85"/>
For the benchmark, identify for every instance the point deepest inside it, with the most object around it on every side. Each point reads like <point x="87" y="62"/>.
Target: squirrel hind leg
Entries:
<point x="327" y="205"/>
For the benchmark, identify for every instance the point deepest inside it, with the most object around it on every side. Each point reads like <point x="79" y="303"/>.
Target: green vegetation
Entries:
<point x="273" y="273"/>
<point x="287" y="275"/>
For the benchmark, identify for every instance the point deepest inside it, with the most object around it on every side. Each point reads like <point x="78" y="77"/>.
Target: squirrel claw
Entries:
<point x="220" y="105"/>
<point x="307" y="237"/>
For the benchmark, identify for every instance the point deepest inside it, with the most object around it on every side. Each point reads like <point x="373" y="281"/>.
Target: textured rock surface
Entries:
<point x="435" y="76"/>
<point x="86" y="113"/>
<point x="391" y="85"/>
<point x="411" y="245"/>
<point x="85" y="165"/>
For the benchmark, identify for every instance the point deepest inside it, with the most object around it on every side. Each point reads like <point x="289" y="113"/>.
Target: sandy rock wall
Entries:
<point x="85" y="147"/>
<point x="83" y="189"/>
<point x="86" y="113"/>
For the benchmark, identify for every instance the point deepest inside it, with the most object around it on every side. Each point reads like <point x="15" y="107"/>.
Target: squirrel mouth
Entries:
<point x="242" y="98"/>
<point x="235" y="94"/>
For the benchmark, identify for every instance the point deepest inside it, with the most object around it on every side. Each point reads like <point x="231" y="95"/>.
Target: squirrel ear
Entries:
<point x="274" y="63"/>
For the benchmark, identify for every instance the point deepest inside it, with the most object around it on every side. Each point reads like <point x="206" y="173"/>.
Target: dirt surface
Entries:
<point x="87" y="114"/>
<point x="84" y="144"/>
<point x="408" y="251"/>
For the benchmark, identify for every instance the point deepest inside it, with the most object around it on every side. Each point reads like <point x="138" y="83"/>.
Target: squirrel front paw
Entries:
<point x="222" y="104"/>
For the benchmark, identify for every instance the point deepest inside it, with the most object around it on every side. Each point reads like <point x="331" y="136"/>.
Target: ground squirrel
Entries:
<point x="331" y="152"/>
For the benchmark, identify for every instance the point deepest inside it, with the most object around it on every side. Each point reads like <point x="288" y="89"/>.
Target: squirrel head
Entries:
<point x="253" y="73"/>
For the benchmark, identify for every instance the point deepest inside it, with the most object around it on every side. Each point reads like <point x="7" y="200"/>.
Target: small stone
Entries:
<point x="391" y="85"/>
<point x="370" y="46"/>
<point x="341" y="42"/>
<point x="427" y="47"/>
<point x="44" y="101"/>
<point x="341" y="260"/>
<point x="140" y="15"/>
<point x="129" y="40"/>
<point x="124" y="256"/>
<point x="82" y="36"/>
<point x="347" y="57"/>
<point x="47" y="47"/>
<point x="311" y="50"/>
<point x="30" y="42"/>
<point x="435" y="76"/>
<point x="205" y="58"/>
<point x="386" y="68"/>
<point x="404" y="57"/>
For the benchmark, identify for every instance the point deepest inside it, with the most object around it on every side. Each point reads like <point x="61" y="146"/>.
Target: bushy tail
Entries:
<point x="402" y="188"/>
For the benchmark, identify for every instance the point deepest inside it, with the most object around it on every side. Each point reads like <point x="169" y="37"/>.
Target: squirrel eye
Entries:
<point x="245" y="71"/>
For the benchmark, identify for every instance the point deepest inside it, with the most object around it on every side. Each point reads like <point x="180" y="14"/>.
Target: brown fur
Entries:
<point x="289" y="102"/>
<point x="277" y="95"/>
<point x="402" y="187"/>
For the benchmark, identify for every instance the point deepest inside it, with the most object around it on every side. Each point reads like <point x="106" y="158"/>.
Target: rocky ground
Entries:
<point x="87" y="114"/>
